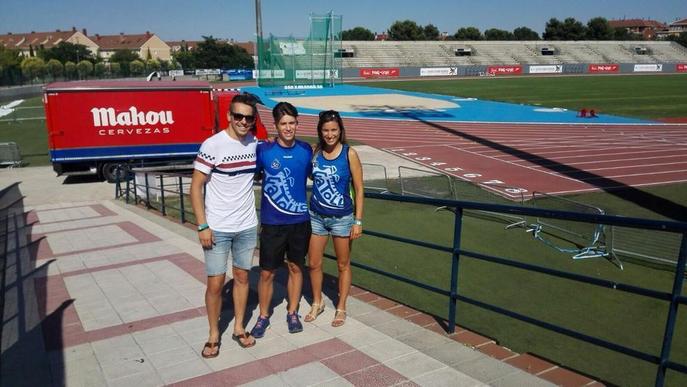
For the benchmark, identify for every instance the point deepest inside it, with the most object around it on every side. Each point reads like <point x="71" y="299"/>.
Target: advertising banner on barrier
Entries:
<point x="604" y="68"/>
<point x="504" y="70"/>
<point x="239" y="74"/>
<point x="548" y="69"/>
<point x="317" y="74"/>
<point x="176" y="73"/>
<point x="439" y="71"/>
<point x="208" y="72"/>
<point x="681" y="67"/>
<point x="267" y="74"/>
<point x="648" y="68"/>
<point x="379" y="72"/>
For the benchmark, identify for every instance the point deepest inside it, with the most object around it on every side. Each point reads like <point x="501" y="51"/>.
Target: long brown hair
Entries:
<point x="329" y="116"/>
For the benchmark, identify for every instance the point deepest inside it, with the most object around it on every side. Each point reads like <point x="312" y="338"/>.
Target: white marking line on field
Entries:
<point x="610" y="161"/>
<point x="21" y="119"/>
<point x="9" y="108"/>
<point x="516" y="165"/>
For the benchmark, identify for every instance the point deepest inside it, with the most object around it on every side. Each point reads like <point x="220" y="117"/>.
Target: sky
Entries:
<point x="227" y="19"/>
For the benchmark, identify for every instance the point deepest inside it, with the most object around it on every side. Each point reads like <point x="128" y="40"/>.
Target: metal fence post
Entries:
<point x="147" y="191"/>
<point x="455" y="260"/>
<point x="181" y="202"/>
<point x="128" y="187"/>
<point x="162" y="195"/>
<point x="672" y="312"/>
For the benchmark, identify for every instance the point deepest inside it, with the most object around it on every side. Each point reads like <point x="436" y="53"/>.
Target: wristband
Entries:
<point x="358" y="222"/>
<point x="202" y="227"/>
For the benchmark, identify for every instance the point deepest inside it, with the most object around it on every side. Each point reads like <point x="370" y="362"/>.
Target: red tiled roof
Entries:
<point x="121" y="41"/>
<point x="629" y="23"/>
<point x="682" y="22"/>
<point x="35" y="39"/>
<point x="248" y="46"/>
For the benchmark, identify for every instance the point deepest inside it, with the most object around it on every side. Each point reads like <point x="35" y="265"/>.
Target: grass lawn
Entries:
<point x="30" y="135"/>
<point x="642" y="96"/>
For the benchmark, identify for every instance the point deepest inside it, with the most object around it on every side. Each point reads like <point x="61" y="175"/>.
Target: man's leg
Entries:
<point x="213" y="304"/>
<point x="294" y="286"/>
<point x="265" y="290"/>
<point x="240" y="296"/>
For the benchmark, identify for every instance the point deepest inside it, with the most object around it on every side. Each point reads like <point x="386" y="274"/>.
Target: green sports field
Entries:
<point x="645" y="96"/>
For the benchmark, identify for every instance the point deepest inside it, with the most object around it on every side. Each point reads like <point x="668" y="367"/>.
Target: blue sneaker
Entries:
<point x="295" y="325"/>
<point x="260" y="327"/>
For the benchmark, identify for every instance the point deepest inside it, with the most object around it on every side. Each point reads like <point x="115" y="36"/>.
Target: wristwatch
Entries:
<point x="202" y="227"/>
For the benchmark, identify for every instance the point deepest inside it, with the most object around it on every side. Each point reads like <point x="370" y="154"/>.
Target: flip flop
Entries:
<point x="245" y="335"/>
<point x="211" y="346"/>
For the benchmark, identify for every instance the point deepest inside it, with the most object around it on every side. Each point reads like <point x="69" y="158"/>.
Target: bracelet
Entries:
<point x="203" y="226"/>
<point x="358" y="222"/>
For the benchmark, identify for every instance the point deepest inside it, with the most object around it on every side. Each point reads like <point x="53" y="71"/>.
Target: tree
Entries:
<point x="554" y="30"/>
<point x="55" y="68"/>
<point x="136" y="67"/>
<point x="621" y="33"/>
<point x="84" y="68"/>
<point x="574" y="30"/>
<point x="65" y="51"/>
<point x="431" y="32"/>
<point x="115" y="69"/>
<point x="124" y="56"/>
<point x="524" y="33"/>
<point x="184" y="59"/>
<point x="468" y="33"/>
<point x="213" y="54"/>
<point x="406" y="30"/>
<point x="598" y="28"/>
<point x="33" y="68"/>
<point x="680" y="39"/>
<point x="153" y="65"/>
<point x="497" y="34"/>
<point x="357" y="33"/>
<point x="99" y="69"/>
<point x="70" y="69"/>
<point x="10" y="66"/>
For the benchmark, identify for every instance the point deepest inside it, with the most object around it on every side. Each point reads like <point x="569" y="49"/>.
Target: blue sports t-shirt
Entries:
<point x="330" y="191"/>
<point x="284" y="175"/>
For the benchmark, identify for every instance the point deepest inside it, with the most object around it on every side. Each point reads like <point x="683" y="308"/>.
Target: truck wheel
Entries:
<point x="113" y="172"/>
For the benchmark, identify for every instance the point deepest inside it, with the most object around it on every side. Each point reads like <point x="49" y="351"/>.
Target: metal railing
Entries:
<point x="674" y="298"/>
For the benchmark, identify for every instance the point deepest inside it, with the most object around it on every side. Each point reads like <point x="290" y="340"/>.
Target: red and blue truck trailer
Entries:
<point x="96" y="127"/>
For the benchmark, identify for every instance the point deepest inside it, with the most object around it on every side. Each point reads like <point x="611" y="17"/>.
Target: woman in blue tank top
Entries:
<point x="333" y="209"/>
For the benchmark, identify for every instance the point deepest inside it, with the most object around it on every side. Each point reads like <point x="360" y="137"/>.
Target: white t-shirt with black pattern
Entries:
<point x="230" y="166"/>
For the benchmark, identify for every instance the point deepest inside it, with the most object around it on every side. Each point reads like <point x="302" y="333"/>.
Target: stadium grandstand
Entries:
<point x="456" y="53"/>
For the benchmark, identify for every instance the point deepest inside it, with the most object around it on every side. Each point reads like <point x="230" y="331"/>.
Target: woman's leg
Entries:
<point x="315" y="256"/>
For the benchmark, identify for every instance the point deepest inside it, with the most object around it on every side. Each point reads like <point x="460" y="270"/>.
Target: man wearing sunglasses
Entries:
<point x="227" y="221"/>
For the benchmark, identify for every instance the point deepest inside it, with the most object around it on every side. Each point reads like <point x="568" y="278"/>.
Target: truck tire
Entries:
<point x="113" y="172"/>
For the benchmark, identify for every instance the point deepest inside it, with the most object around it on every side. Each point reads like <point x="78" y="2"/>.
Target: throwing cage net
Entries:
<point x="313" y="62"/>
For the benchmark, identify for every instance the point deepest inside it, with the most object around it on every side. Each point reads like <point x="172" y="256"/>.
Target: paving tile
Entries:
<point x="422" y="339"/>
<point x="190" y="369"/>
<point x="384" y="303"/>
<point x="564" y="377"/>
<point x="366" y="297"/>
<point x="486" y="369"/>
<point x="530" y="363"/>
<point x="363" y="337"/>
<point x="267" y="347"/>
<point x="496" y="351"/>
<point x="173" y="357"/>
<point x="229" y="356"/>
<point x="446" y="377"/>
<point x="386" y="350"/>
<point x="472" y="339"/>
<point x="522" y="378"/>
<point x="337" y="382"/>
<point x="452" y="353"/>
<point x="268" y="381"/>
<point x="327" y="349"/>
<point x="414" y="364"/>
<point x="145" y="379"/>
<point x="396" y="327"/>
<point x="126" y="367"/>
<point x="375" y="318"/>
<point x="308" y="374"/>
<point x="349" y="362"/>
<point x="378" y="375"/>
<point x="421" y="319"/>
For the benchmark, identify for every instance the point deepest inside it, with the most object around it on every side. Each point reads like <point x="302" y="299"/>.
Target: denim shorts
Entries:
<point x="338" y="226"/>
<point x="240" y="246"/>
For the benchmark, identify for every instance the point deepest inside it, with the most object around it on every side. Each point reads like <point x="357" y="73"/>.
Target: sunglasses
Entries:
<point x="331" y="113"/>
<point x="240" y="117"/>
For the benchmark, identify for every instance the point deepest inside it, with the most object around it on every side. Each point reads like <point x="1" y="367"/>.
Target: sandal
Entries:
<point x="245" y="336"/>
<point x="315" y="310"/>
<point x="211" y="346"/>
<point x="339" y="318"/>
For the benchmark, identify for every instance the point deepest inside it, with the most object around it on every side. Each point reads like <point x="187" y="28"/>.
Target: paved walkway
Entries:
<point x="99" y="293"/>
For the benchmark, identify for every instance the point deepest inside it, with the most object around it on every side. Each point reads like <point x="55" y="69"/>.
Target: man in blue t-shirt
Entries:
<point x="284" y="166"/>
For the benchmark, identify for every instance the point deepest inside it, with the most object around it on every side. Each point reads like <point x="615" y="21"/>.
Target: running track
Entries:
<point x="550" y="158"/>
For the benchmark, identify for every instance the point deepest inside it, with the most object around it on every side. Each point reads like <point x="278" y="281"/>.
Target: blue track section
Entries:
<point x="181" y="151"/>
<point x="464" y="109"/>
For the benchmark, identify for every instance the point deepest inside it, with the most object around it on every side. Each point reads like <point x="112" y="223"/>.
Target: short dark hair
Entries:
<point x="282" y="109"/>
<point x="247" y="99"/>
